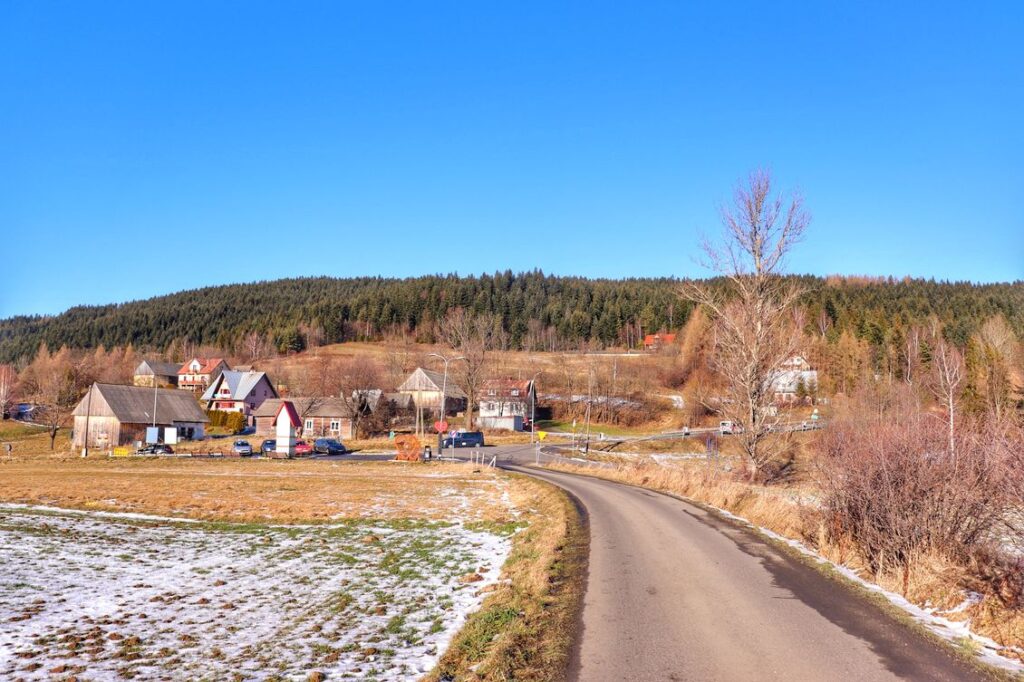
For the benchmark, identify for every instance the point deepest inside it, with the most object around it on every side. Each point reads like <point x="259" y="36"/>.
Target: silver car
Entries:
<point x="242" y="447"/>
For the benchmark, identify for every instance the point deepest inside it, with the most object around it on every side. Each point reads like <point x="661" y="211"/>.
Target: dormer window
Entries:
<point x="515" y="391"/>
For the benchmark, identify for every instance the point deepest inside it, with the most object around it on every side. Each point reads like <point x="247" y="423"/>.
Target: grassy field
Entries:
<point x="260" y="490"/>
<point x="380" y="568"/>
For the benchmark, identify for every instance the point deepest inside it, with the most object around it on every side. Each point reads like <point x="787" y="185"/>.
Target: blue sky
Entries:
<point x="152" y="147"/>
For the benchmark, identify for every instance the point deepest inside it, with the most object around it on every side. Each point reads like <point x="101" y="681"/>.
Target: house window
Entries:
<point x="515" y="391"/>
<point x="335" y="425"/>
<point x="309" y="424"/>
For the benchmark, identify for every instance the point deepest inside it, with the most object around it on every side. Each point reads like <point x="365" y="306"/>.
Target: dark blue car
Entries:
<point x="465" y="439"/>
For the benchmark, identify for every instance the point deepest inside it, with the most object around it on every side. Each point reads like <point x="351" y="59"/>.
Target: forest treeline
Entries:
<point x="536" y="311"/>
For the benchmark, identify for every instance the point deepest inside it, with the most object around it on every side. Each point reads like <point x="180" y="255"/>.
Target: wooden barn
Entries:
<point x="155" y="373"/>
<point x="424" y="386"/>
<point x="118" y="415"/>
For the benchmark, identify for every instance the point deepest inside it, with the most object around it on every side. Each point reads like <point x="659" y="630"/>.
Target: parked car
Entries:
<point x="329" y="446"/>
<point x="465" y="439"/>
<point x="726" y="427"/>
<point x="302" y="447"/>
<point x="268" y="446"/>
<point x="155" y="449"/>
<point x="242" y="447"/>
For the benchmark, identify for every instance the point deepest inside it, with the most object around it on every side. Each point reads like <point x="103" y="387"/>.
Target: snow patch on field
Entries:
<point x="107" y="595"/>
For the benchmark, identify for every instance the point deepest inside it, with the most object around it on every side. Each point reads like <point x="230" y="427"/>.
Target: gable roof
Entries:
<point x="289" y="412"/>
<point x="239" y="383"/>
<point x="157" y="368"/>
<point x="307" y="407"/>
<point x="429" y="380"/>
<point x="134" y="404"/>
<point x="502" y="388"/>
<point x="208" y="365"/>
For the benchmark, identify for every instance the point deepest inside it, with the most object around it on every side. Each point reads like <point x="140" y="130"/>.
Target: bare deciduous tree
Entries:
<point x="8" y="380"/>
<point x="355" y="379"/>
<point x="472" y="336"/>
<point x="53" y="382"/>
<point x="947" y="377"/>
<point x="256" y="346"/>
<point x="997" y="347"/>
<point x="752" y="319"/>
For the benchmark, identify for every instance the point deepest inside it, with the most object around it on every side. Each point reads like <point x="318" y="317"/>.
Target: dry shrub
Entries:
<point x="893" y="488"/>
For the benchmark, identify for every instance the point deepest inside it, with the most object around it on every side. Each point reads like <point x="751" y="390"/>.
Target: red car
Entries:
<point x="303" y="448"/>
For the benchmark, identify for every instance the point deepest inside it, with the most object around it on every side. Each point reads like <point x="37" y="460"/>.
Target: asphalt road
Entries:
<point x="677" y="593"/>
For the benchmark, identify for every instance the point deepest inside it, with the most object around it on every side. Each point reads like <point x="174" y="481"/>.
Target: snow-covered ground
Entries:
<point x="112" y="596"/>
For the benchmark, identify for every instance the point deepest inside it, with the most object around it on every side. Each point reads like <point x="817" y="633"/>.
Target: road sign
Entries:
<point x="440" y="426"/>
<point x="541" y="435"/>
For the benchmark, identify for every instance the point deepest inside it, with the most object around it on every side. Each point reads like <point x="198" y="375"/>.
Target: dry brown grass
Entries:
<point x="525" y="629"/>
<point x="258" y="490"/>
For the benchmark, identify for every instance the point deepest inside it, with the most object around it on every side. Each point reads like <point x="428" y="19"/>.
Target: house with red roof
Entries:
<point x="506" y="403"/>
<point x="197" y="374"/>
<point x="658" y="341"/>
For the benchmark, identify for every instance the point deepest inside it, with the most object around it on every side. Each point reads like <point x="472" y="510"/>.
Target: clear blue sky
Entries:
<point x="150" y="147"/>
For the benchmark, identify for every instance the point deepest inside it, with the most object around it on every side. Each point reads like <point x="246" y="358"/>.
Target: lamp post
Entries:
<point x="441" y="410"/>
<point x="533" y="407"/>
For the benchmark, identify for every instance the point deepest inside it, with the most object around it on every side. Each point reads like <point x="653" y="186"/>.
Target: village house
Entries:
<point x="506" y="403"/>
<point x="197" y="374"/>
<point x="234" y="391"/>
<point x="318" y="417"/>
<point x="424" y="387"/>
<point x="794" y="381"/>
<point x="119" y="415"/>
<point x="658" y="341"/>
<point x="155" y="372"/>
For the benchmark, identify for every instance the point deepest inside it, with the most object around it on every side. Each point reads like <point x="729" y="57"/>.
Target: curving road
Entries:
<point x="677" y="593"/>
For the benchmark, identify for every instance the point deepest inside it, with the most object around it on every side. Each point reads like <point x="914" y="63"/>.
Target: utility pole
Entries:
<point x="88" y="413"/>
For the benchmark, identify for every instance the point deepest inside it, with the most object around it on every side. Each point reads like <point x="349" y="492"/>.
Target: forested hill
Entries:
<point x="564" y="311"/>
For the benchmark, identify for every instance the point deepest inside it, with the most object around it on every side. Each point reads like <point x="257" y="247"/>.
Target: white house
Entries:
<point x="792" y="374"/>
<point x="234" y="391"/>
<point x="506" y="403"/>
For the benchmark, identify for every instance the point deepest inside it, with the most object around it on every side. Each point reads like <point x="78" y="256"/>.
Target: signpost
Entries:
<point x="440" y="426"/>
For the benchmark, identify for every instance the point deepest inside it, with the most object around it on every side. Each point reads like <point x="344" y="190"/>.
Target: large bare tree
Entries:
<point x="54" y="382"/>
<point x="945" y="382"/>
<point x="8" y="380"/>
<point x="752" y="315"/>
<point x="472" y="336"/>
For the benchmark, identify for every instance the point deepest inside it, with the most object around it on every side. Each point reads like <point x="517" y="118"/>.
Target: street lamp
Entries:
<point x="533" y="406"/>
<point x="444" y="388"/>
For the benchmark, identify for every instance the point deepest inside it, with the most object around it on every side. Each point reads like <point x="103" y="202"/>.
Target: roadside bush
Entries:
<point x="891" y="487"/>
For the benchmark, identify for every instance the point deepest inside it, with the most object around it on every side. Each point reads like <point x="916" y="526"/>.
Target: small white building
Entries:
<point x="506" y="403"/>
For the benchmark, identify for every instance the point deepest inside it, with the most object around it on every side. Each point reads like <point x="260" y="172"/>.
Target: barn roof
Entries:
<point x="429" y="380"/>
<point x="307" y="407"/>
<point x="156" y="368"/>
<point x="134" y="404"/>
